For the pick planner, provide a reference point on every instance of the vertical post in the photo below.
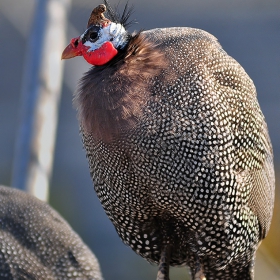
(40, 98)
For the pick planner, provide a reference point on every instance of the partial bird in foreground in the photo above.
(37, 243)
(177, 145)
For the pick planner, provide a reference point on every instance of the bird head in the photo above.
(101, 41)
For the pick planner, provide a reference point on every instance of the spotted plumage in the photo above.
(190, 180)
(36, 243)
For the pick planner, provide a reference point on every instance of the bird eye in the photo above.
(93, 36)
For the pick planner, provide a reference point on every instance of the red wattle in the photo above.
(102, 55)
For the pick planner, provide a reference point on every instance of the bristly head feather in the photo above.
(123, 18)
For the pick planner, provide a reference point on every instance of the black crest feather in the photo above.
(115, 16)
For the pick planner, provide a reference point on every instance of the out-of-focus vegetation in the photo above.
(272, 242)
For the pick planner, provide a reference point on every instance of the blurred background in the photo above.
(248, 30)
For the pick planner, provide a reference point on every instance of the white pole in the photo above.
(40, 99)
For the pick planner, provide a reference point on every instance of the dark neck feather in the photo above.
(111, 98)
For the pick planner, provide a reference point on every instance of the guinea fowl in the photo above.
(36, 243)
(177, 145)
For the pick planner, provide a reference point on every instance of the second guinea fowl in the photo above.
(36, 243)
(177, 145)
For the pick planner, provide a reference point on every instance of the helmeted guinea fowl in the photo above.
(177, 145)
(37, 243)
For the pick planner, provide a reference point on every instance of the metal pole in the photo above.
(40, 99)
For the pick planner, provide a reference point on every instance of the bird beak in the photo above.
(72, 49)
